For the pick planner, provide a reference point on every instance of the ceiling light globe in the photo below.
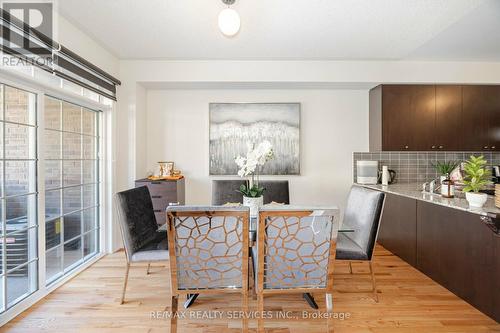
(229, 22)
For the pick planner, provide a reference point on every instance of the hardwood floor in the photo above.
(409, 302)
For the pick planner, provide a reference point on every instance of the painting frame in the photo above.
(287, 114)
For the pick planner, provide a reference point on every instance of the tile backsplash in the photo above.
(416, 167)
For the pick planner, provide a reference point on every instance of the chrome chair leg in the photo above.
(374, 286)
(125, 284)
(329, 302)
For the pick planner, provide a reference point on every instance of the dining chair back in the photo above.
(208, 249)
(362, 214)
(226, 191)
(296, 251)
(363, 211)
(141, 239)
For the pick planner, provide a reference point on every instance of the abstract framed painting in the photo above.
(234, 125)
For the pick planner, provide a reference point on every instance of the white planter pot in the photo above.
(476, 200)
(254, 204)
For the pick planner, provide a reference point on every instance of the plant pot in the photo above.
(254, 204)
(476, 200)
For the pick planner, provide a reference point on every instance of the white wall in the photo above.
(134, 132)
(334, 123)
(77, 41)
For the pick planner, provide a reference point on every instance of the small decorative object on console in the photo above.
(166, 171)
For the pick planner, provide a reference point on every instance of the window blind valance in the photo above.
(30, 46)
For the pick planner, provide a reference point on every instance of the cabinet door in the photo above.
(475, 114)
(456, 249)
(448, 117)
(423, 118)
(398, 229)
(492, 97)
(396, 117)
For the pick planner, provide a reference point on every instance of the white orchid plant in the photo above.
(251, 165)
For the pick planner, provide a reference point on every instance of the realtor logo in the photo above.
(37, 15)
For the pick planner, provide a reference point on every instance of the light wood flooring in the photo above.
(409, 302)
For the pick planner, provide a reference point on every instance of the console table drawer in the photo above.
(163, 193)
(161, 218)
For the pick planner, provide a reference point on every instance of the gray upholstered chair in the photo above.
(208, 252)
(225, 190)
(362, 214)
(141, 239)
(295, 252)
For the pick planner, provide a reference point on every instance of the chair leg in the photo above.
(173, 318)
(190, 300)
(125, 284)
(350, 268)
(260, 308)
(329, 302)
(244, 306)
(149, 266)
(374, 286)
(310, 300)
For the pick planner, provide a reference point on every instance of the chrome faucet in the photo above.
(431, 187)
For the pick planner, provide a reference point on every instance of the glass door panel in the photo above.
(71, 194)
(18, 191)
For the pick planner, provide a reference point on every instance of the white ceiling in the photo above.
(293, 29)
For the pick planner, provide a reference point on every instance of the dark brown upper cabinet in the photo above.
(448, 117)
(434, 117)
(423, 118)
(397, 99)
(481, 118)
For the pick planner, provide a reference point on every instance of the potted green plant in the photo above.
(250, 167)
(445, 169)
(477, 176)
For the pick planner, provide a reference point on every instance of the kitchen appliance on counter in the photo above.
(367, 172)
(496, 174)
(391, 176)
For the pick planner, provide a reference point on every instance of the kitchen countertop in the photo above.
(414, 191)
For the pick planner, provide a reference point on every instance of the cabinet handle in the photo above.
(406, 147)
(157, 210)
(174, 203)
(156, 196)
(156, 183)
(493, 147)
(485, 147)
(433, 147)
(441, 147)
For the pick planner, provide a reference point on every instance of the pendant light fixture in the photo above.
(229, 20)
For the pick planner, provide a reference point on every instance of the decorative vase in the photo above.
(254, 204)
(476, 200)
(447, 187)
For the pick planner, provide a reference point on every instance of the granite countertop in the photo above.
(414, 191)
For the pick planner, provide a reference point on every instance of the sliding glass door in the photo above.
(62, 178)
(18, 191)
(71, 186)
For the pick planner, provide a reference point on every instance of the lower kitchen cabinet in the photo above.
(458, 251)
(398, 227)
